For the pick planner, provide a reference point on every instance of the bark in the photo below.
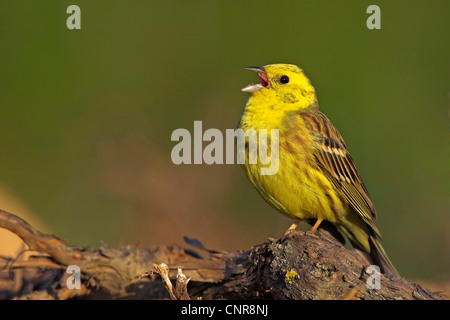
(300, 266)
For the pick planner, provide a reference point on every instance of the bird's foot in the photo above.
(290, 230)
(314, 228)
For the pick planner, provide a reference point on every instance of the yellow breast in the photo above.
(299, 189)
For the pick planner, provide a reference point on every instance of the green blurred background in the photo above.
(87, 115)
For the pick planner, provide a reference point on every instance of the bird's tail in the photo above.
(380, 258)
(366, 243)
(363, 240)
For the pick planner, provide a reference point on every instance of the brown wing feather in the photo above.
(336, 162)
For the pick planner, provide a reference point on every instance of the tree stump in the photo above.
(299, 266)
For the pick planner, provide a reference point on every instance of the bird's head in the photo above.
(282, 84)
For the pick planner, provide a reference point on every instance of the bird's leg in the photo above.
(291, 229)
(315, 226)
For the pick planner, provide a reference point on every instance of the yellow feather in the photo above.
(316, 177)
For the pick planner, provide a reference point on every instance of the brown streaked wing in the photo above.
(335, 160)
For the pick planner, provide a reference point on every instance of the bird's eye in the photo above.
(284, 79)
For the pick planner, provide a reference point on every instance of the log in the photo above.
(299, 266)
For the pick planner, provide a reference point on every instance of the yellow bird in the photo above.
(316, 180)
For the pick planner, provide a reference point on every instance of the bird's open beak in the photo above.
(264, 80)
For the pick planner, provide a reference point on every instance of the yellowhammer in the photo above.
(317, 180)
